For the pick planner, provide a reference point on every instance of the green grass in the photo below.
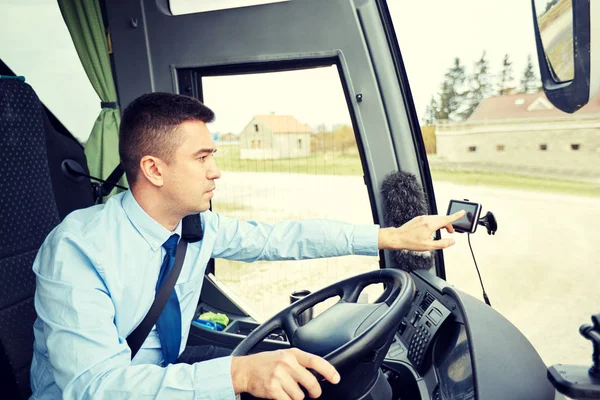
(224, 207)
(336, 163)
(328, 163)
(516, 182)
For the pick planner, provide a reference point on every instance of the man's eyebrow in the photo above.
(205, 151)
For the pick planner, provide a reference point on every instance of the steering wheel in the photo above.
(348, 332)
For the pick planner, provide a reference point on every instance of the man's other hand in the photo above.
(417, 234)
(277, 374)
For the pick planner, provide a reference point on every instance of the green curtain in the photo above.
(84, 21)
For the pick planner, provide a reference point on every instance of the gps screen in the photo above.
(466, 222)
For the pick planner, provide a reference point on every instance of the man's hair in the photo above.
(149, 124)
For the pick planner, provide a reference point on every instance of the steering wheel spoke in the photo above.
(351, 291)
(290, 326)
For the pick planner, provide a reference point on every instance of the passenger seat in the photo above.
(35, 195)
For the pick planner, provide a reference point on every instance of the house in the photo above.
(270, 137)
(228, 138)
(525, 131)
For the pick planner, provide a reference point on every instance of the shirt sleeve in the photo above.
(292, 240)
(88, 358)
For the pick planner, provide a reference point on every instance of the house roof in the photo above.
(525, 106)
(283, 124)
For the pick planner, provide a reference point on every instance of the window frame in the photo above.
(360, 35)
(190, 79)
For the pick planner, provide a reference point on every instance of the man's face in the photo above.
(190, 176)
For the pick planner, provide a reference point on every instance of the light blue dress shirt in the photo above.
(96, 275)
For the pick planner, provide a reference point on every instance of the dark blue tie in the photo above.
(168, 324)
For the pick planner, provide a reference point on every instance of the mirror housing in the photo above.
(571, 95)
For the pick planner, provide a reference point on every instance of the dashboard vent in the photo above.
(427, 300)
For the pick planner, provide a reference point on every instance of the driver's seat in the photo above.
(32, 201)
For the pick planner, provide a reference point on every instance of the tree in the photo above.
(431, 112)
(550, 4)
(506, 76)
(479, 86)
(429, 138)
(322, 128)
(443, 111)
(344, 139)
(530, 83)
(452, 92)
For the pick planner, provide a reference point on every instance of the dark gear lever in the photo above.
(580, 382)
(592, 332)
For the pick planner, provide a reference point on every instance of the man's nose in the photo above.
(214, 172)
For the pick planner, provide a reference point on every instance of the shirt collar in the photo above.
(153, 232)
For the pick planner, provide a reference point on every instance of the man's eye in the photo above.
(202, 159)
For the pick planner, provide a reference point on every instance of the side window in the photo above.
(290, 154)
(35, 43)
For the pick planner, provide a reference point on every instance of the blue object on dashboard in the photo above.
(18, 77)
(209, 324)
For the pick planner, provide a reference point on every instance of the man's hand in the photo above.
(276, 374)
(417, 233)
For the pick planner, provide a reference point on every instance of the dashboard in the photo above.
(430, 357)
(448, 346)
(452, 346)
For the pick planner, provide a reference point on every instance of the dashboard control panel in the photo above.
(417, 330)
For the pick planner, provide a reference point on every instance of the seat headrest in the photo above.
(28, 207)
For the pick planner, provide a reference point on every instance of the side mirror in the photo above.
(566, 38)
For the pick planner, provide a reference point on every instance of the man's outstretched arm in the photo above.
(304, 239)
(288, 240)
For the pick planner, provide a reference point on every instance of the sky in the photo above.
(431, 33)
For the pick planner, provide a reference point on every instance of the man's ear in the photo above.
(152, 169)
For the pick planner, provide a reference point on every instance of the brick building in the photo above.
(525, 130)
(274, 137)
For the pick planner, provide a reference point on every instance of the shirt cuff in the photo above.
(366, 240)
(213, 379)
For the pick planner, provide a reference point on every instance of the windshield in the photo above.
(492, 137)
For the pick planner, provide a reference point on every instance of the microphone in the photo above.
(404, 199)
